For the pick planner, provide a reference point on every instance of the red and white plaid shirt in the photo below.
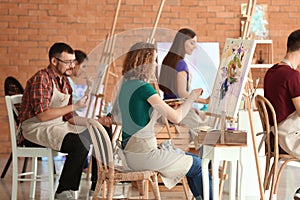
(38, 92)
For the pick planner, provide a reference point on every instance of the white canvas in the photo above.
(203, 64)
(98, 83)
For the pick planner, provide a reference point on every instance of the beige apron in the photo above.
(289, 134)
(50, 133)
(141, 153)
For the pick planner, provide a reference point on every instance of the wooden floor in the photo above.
(123, 190)
(290, 181)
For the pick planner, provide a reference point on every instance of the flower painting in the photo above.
(231, 77)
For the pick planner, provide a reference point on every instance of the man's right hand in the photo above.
(81, 103)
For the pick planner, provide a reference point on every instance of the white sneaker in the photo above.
(117, 194)
(65, 195)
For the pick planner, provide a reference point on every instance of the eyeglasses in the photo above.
(67, 62)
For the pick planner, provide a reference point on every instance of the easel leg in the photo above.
(261, 189)
(222, 178)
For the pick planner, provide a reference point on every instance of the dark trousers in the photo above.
(77, 147)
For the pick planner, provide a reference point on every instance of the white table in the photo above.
(217, 153)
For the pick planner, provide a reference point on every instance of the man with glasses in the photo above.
(48, 117)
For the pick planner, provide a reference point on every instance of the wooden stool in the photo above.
(215, 152)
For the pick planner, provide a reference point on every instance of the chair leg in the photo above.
(110, 188)
(185, 187)
(6, 166)
(155, 188)
(143, 188)
(14, 190)
(24, 167)
(51, 168)
(34, 176)
(274, 192)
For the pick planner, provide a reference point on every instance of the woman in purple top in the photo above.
(175, 79)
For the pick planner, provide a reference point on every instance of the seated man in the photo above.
(48, 117)
(281, 88)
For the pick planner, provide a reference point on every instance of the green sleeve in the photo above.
(146, 91)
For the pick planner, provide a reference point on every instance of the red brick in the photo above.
(27, 30)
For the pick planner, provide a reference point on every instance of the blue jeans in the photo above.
(194, 177)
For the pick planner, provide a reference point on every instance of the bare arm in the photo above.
(181, 88)
(296, 102)
(174, 115)
(182, 84)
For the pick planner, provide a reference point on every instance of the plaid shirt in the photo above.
(38, 92)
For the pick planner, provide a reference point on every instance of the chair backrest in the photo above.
(11, 87)
(11, 102)
(267, 113)
(102, 146)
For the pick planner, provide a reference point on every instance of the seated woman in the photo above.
(175, 78)
(140, 106)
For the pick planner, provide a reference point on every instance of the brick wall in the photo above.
(28, 29)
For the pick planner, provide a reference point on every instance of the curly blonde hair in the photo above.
(138, 63)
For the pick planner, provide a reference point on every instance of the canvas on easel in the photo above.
(97, 92)
(231, 77)
(98, 84)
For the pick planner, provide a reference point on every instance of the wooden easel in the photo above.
(247, 18)
(106, 58)
(151, 39)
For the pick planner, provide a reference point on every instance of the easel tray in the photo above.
(231, 138)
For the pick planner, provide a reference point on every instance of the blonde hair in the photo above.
(138, 63)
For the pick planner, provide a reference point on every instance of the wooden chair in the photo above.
(11, 87)
(173, 103)
(107, 173)
(272, 148)
(27, 152)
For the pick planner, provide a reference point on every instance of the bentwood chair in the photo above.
(272, 149)
(107, 173)
(27, 152)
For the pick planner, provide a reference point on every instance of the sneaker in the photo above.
(65, 195)
(117, 194)
(297, 194)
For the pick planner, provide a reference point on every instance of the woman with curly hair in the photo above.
(140, 106)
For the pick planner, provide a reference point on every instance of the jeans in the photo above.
(194, 177)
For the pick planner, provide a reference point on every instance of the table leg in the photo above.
(232, 180)
(215, 177)
(205, 178)
(241, 193)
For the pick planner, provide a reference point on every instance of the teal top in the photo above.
(134, 106)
